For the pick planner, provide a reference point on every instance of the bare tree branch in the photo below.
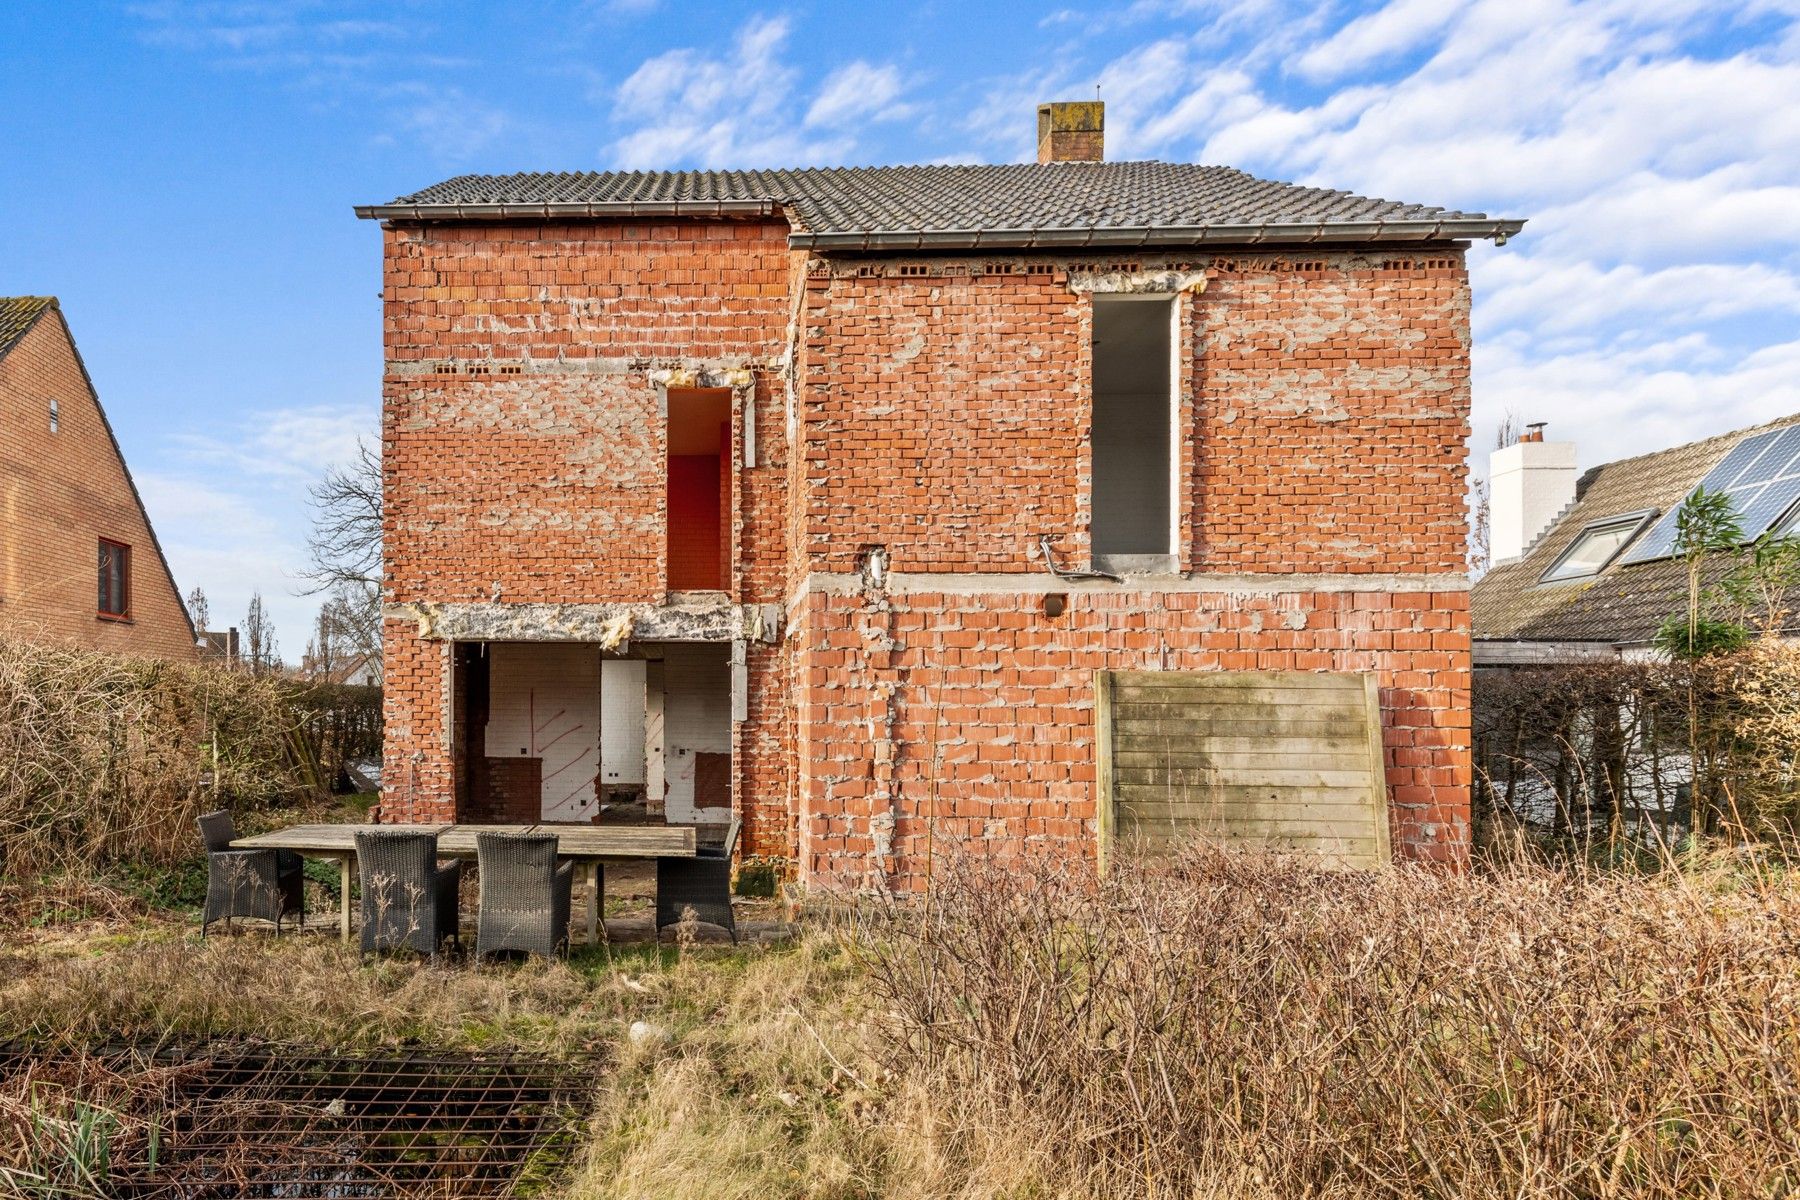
(345, 545)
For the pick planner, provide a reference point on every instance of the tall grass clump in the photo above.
(1243, 1024)
(106, 758)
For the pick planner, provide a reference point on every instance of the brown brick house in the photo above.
(852, 501)
(78, 559)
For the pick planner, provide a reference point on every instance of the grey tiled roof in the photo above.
(1625, 603)
(18, 314)
(1062, 204)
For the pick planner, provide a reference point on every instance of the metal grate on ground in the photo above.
(262, 1120)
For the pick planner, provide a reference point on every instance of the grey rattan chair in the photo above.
(702, 883)
(524, 894)
(407, 898)
(265, 885)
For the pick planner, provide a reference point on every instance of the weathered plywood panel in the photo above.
(1283, 758)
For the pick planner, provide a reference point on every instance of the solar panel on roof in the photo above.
(1762, 476)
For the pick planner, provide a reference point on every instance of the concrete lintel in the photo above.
(699, 375)
(671, 372)
(605, 624)
(1137, 283)
(1041, 583)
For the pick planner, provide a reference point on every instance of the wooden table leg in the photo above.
(593, 903)
(344, 897)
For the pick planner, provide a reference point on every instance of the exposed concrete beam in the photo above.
(608, 625)
(1041, 583)
(1137, 283)
(679, 373)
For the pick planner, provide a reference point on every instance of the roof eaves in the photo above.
(574, 210)
(1268, 232)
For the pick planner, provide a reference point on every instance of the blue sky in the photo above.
(181, 174)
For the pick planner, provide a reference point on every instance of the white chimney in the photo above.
(1529, 484)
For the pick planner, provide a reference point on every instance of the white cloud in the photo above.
(742, 108)
(1399, 27)
(1614, 404)
(1540, 291)
(712, 111)
(291, 444)
(858, 91)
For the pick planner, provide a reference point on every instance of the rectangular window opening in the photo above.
(1134, 415)
(699, 484)
(55, 415)
(115, 579)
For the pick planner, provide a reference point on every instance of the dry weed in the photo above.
(1240, 1024)
(761, 1089)
(105, 757)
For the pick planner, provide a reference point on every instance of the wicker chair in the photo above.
(702, 883)
(407, 898)
(265, 885)
(524, 894)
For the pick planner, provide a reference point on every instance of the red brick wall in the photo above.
(978, 710)
(1325, 400)
(505, 791)
(60, 493)
(944, 416)
(551, 481)
(418, 777)
(1332, 415)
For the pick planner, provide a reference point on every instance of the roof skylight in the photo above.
(1598, 543)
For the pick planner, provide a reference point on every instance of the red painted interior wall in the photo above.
(694, 523)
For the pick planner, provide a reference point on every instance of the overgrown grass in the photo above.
(1227, 1025)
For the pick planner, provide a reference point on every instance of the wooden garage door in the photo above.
(1285, 758)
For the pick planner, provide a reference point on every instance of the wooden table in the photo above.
(588, 845)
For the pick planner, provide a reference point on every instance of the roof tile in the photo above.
(18, 314)
(843, 202)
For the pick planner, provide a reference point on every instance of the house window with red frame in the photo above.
(115, 579)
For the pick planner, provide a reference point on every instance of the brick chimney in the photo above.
(1072, 131)
(1530, 483)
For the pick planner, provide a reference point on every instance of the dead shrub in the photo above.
(1639, 754)
(1236, 1023)
(105, 757)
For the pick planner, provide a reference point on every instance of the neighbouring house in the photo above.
(221, 647)
(79, 561)
(353, 670)
(1036, 506)
(1584, 563)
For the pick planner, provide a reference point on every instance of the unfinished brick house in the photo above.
(79, 561)
(863, 504)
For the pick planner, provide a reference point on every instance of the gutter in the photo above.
(552, 211)
(1267, 232)
(1062, 237)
